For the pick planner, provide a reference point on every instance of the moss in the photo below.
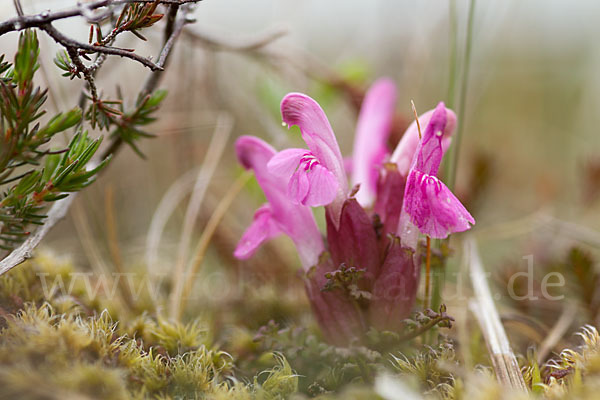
(56, 341)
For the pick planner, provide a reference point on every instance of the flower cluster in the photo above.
(366, 272)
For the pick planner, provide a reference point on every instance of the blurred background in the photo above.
(529, 167)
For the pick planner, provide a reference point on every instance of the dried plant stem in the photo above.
(482, 306)
(209, 166)
(172, 197)
(558, 330)
(113, 243)
(241, 44)
(209, 231)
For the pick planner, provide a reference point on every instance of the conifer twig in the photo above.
(154, 77)
(503, 359)
(60, 208)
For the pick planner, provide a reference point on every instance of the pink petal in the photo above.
(296, 221)
(348, 165)
(253, 153)
(262, 228)
(299, 109)
(370, 142)
(322, 187)
(429, 156)
(284, 163)
(433, 208)
(405, 151)
(298, 187)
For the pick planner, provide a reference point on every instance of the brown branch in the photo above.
(69, 43)
(37, 20)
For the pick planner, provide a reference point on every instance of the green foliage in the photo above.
(137, 16)
(63, 61)
(323, 367)
(26, 186)
(26, 59)
(177, 338)
(432, 366)
(127, 126)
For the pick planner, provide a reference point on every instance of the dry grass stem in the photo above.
(504, 361)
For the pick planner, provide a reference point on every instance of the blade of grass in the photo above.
(209, 166)
(112, 238)
(454, 152)
(453, 37)
(207, 234)
(482, 306)
(451, 164)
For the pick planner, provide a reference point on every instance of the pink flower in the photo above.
(309, 182)
(370, 141)
(316, 177)
(279, 215)
(406, 149)
(366, 273)
(428, 203)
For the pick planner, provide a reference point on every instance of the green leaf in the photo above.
(26, 59)
(61, 122)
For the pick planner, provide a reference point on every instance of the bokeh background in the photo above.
(529, 165)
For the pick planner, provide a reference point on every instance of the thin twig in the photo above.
(19, 8)
(69, 43)
(165, 53)
(503, 359)
(37, 20)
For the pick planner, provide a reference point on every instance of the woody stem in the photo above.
(428, 273)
